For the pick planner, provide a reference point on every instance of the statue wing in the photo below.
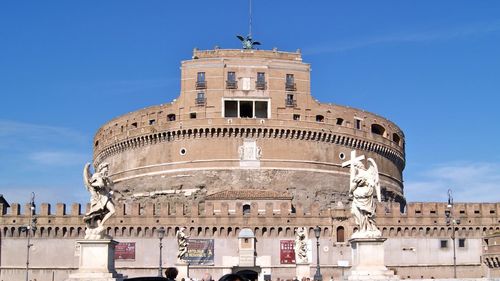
(373, 170)
(256, 43)
(86, 176)
(240, 37)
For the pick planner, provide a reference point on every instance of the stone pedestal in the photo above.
(368, 260)
(302, 270)
(97, 261)
(183, 268)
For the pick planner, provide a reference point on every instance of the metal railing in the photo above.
(200, 101)
(260, 85)
(290, 86)
(290, 103)
(201, 85)
(231, 84)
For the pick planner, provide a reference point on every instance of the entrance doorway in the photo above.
(248, 274)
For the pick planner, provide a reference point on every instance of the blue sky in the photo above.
(67, 67)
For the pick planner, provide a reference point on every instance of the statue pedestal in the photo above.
(97, 261)
(183, 268)
(302, 270)
(368, 260)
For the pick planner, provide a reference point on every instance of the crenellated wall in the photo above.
(142, 220)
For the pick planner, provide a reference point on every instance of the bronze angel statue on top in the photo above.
(101, 204)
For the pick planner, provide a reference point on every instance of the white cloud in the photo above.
(58, 158)
(470, 182)
(13, 130)
(408, 37)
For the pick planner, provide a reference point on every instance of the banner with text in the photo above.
(125, 251)
(200, 252)
(287, 252)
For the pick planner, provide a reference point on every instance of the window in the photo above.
(246, 209)
(171, 117)
(357, 123)
(396, 138)
(340, 234)
(461, 243)
(290, 101)
(230, 108)
(134, 125)
(260, 84)
(96, 143)
(290, 82)
(192, 115)
(320, 118)
(200, 81)
(476, 212)
(378, 129)
(340, 121)
(200, 98)
(231, 80)
(444, 243)
(152, 122)
(261, 109)
(296, 117)
(246, 109)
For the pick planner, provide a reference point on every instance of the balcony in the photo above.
(260, 85)
(201, 85)
(290, 103)
(200, 101)
(231, 84)
(290, 86)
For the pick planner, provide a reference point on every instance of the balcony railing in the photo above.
(231, 84)
(200, 101)
(290, 103)
(201, 85)
(260, 85)
(290, 86)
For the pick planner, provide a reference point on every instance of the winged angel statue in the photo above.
(101, 205)
(364, 183)
(247, 42)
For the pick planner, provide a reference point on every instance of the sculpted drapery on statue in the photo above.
(101, 204)
(301, 245)
(182, 244)
(364, 184)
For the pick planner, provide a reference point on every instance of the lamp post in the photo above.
(30, 229)
(450, 220)
(161, 234)
(317, 275)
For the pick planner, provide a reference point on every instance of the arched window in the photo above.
(171, 117)
(246, 209)
(340, 234)
(320, 118)
(377, 129)
(396, 138)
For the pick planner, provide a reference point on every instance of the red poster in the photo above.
(125, 251)
(287, 252)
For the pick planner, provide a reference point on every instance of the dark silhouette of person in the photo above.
(171, 273)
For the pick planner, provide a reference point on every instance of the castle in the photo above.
(242, 158)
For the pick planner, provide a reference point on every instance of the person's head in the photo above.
(207, 277)
(171, 273)
(231, 277)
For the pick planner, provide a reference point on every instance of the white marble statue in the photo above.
(301, 245)
(101, 204)
(182, 244)
(364, 184)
